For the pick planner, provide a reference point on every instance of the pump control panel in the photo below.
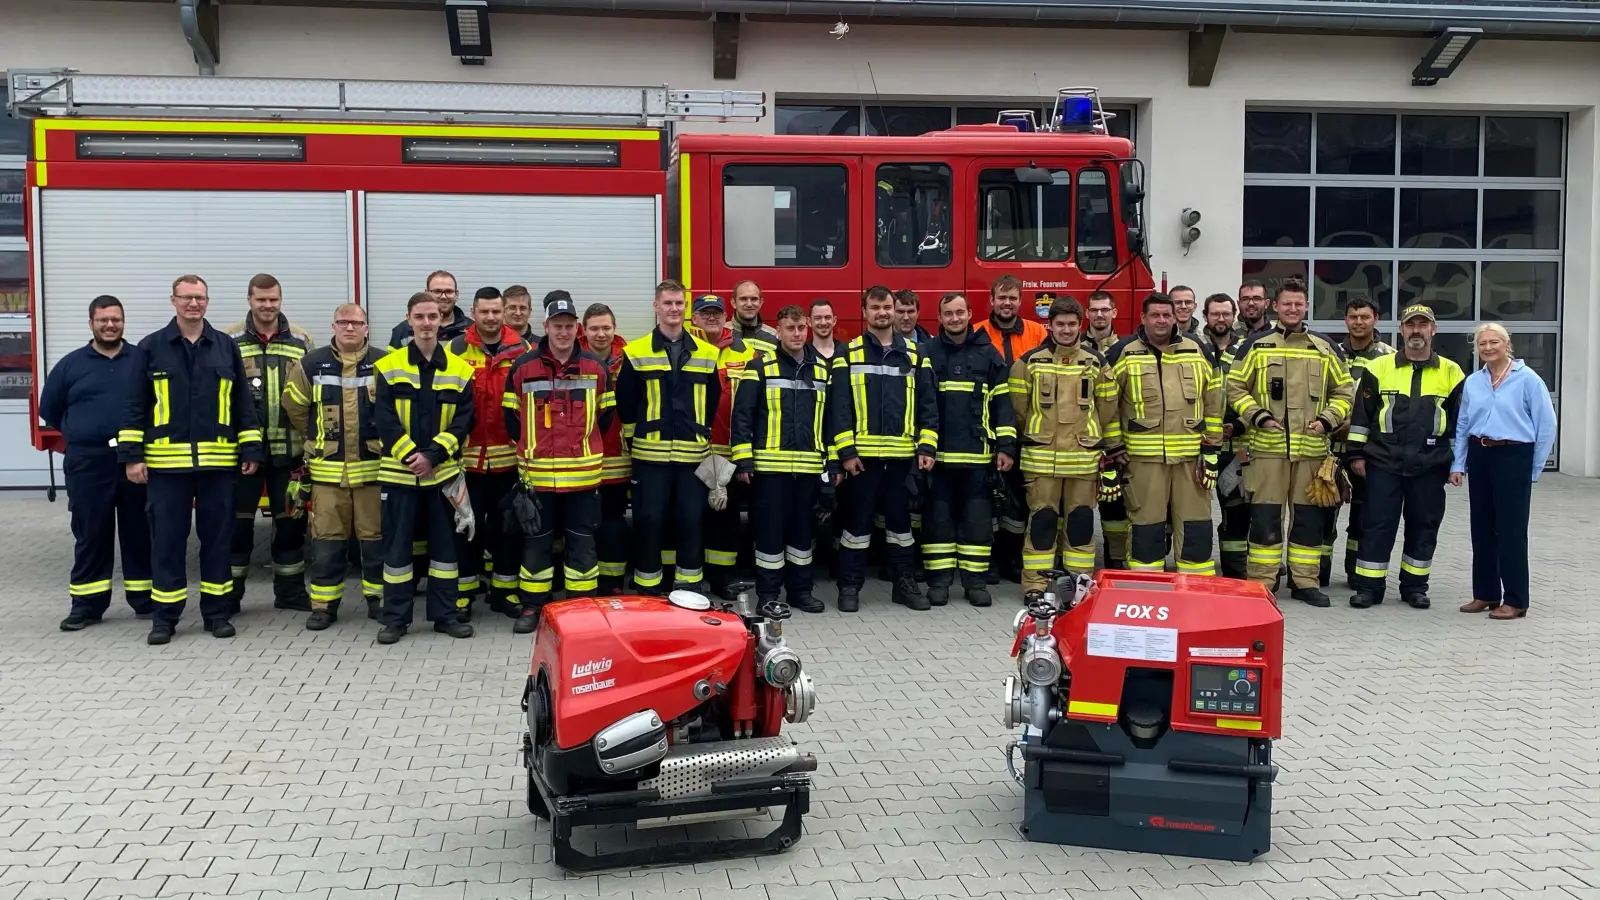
(1225, 690)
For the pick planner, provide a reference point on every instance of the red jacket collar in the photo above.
(508, 336)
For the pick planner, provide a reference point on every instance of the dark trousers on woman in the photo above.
(1500, 487)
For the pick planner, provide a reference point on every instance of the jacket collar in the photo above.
(976, 337)
(659, 341)
(281, 329)
(1400, 359)
(172, 333)
(437, 362)
(122, 349)
(1014, 328)
(543, 351)
(353, 356)
(508, 336)
(897, 342)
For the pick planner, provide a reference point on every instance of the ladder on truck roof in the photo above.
(50, 93)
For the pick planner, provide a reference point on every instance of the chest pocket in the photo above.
(1152, 393)
(1277, 389)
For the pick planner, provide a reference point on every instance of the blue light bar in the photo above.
(1021, 123)
(1077, 111)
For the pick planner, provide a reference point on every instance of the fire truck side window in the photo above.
(776, 216)
(912, 207)
(1097, 233)
(1024, 214)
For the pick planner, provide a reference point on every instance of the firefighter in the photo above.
(558, 402)
(489, 456)
(823, 321)
(882, 414)
(189, 430)
(1170, 406)
(1290, 388)
(725, 540)
(611, 539)
(84, 399)
(1184, 303)
(519, 308)
(977, 439)
(779, 450)
(1221, 338)
(667, 392)
(757, 335)
(1254, 309)
(1402, 440)
(1101, 336)
(907, 307)
(425, 410)
(1360, 346)
(1012, 336)
(337, 382)
(1065, 407)
(453, 324)
(271, 348)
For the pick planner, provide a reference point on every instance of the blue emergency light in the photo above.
(1020, 123)
(1077, 112)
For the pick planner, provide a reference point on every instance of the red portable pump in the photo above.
(649, 712)
(1148, 704)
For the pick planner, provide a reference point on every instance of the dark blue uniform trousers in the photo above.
(105, 506)
(204, 496)
(412, 514)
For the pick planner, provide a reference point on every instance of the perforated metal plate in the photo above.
(689, 771)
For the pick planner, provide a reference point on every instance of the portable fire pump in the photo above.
(654, 712)
(1148, 703)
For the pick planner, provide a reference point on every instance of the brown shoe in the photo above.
(1478, 606)
(1508, 612)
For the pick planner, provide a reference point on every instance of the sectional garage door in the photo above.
(600, 249)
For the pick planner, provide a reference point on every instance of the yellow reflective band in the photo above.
(90, 589)
(1239, 724)
(1085, 708)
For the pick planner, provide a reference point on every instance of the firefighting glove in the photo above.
(827, 499)
(522, 513)
(455, 490)
(1324, 488)
(1206, 468)
(298, 494)
(1230, 481)
(1110, 484)
(715, 472)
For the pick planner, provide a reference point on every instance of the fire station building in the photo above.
(1408, 152)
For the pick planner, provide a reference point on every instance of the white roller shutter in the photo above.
(131, 244)
(599, 249)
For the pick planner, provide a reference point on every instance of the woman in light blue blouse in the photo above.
(1504, 433)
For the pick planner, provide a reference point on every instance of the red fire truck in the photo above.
(356, 190)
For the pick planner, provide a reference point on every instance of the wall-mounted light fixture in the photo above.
(1188, 219)
(468, 22)
(1448, 50)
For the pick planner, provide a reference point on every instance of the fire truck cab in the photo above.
(1057, 205)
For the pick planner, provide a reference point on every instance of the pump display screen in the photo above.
(1221, 689)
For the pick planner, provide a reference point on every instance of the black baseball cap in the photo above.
(560, 308)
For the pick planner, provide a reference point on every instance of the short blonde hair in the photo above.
(1493, 328)
(349, 308)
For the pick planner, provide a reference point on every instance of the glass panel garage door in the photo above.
(1462, 212)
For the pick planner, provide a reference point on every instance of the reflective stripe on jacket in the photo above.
(489, 448)
(666, 409)
(193, 409)
(1169, 399)
(558, 412)
(1065, 405)
(1405, 413)
(882, 401)
(1357, 361)
(976, 420)
(341, 443)
(617, 467)
(780, 415)
(267, 364)
(1295, 377)
(424, 405)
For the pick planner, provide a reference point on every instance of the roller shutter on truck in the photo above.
(599, 249)
(132, 244)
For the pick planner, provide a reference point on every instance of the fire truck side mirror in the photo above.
(1132, 171)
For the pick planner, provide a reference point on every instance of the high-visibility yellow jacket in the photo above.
(666, 407)
(1066, 409)
(1405, 414)
(268, 360)
(193, 410)
(425, 406)
(1169, 399)
(341, 441)
(780, 413)
(1296, 377)
(881, 401)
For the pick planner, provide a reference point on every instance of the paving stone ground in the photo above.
(1426, 754)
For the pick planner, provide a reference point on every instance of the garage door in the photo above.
(599, 249)
(132, 244)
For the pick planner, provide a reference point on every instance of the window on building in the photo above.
(1097, 224)
(1461, 212)
(1024, 215)
(912, 209)
(854, 117)
(785, 216)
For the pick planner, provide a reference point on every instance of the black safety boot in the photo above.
(1418, 600)
(938, 594)
(979, 596)
(391, 634)
(456, 628)
(609, 586)
(1364, 599)
(527, 620)
(991, 577)
(849, 599)
(221, 628)
(1325, 572)
(76, 622)
(161, 633)
(320, 619)
(907, 594)
(498, 605)
(374, 606)
(289, 592)
(805, 602)
(1311, 597)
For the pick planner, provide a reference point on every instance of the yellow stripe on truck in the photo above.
(230, 127)
(684, 221)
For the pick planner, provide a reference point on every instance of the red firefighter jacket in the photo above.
(489, 448)
(558, 412)
(617, 467)
(733, 354)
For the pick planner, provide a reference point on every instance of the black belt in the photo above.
(1495, 442)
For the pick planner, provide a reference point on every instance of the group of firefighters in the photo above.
(498, 460)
